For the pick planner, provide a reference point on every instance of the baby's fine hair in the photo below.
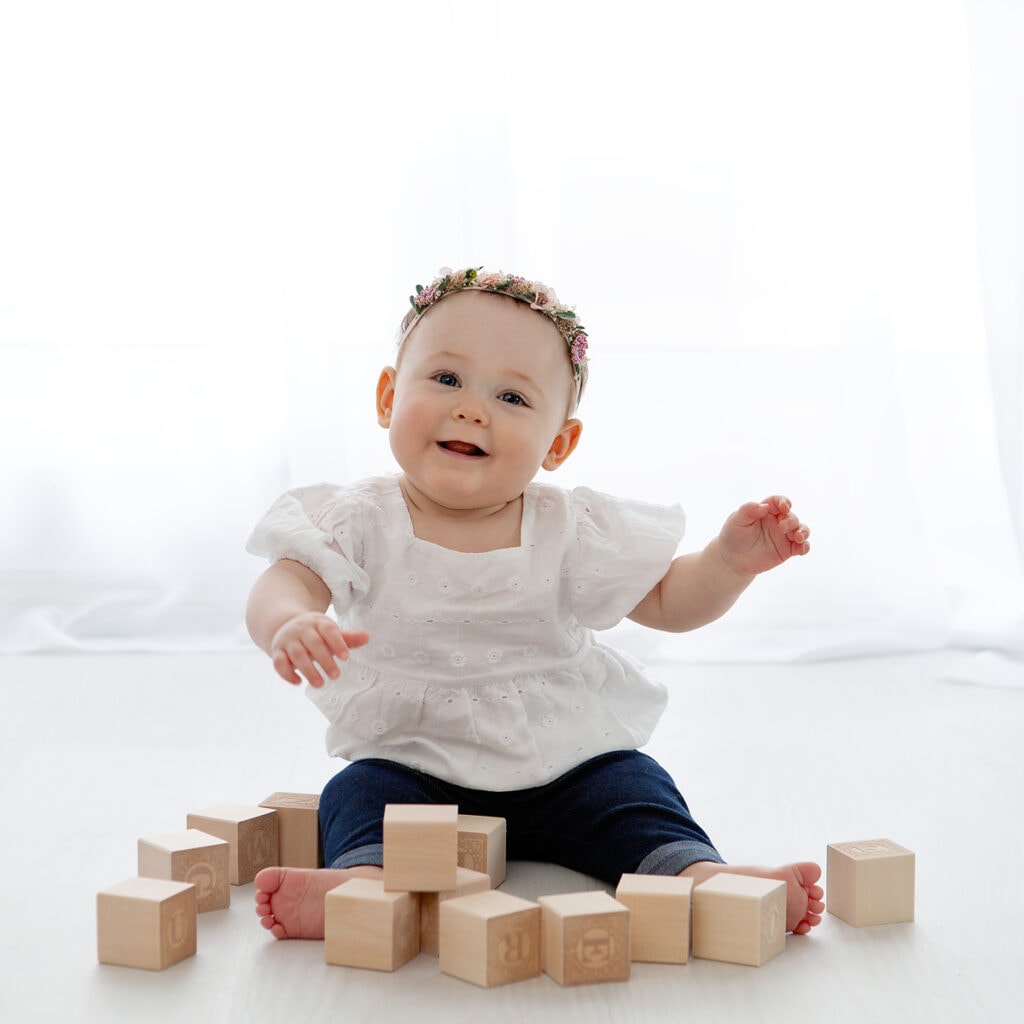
(535, 293)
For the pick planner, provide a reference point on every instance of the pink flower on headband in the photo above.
(489, 280)
(578, 352)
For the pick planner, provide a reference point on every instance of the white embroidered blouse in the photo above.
(482, 669)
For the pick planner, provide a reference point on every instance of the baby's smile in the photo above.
(462, 448)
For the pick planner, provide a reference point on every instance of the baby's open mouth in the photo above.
(461, 448)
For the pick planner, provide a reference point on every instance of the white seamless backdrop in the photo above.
(793, 230)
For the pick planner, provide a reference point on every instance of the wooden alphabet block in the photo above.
(482, 846)
(490, 938)
(364, 926)
(250, 832)
(190, 856)
(421, 846)
(739, 919)
(659, 917)
(467, 883)
(870, 882)
(298, 829)
(585, 938)
(146, 922)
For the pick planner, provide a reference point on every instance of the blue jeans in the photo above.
(617, 813)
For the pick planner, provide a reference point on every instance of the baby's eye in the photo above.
(512, 397)
(449, 380)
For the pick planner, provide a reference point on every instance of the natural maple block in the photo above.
(420, 847)
(365, 926)
(467, 883)
(482, 845)
(659, 917)
(870, 882)
(739, 919)
(189, 856)
(586, 938)
(250, 832)
(490, 938)
(298, 829)
(146, 922)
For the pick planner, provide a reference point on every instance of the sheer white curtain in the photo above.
(793, 230)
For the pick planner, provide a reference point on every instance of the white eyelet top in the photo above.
(482, 669)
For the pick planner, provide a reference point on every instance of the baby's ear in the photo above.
(385, 395)
(564, 444)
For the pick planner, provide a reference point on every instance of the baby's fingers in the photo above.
(340, 643)
(283, 667)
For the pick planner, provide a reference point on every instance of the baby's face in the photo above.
(480, 397)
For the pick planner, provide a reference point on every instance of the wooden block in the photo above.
(870, 882)
(250, 832)
(467, 883)
(421, 845)
(364, 926)
(739, 919)
(659, 917)
(190, 856)
(490, 938)
(585, 938)
(482, 845)
(298, 829)
(146, 922)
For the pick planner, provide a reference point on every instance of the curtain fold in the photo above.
(793, 231)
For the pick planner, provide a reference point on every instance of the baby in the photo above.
(463, 666)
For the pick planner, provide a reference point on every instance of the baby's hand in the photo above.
(762, 535)
(308, 641)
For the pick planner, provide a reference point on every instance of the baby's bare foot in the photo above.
(804, 896)
(290, 901)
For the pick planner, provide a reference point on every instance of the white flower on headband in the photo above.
(544, 297)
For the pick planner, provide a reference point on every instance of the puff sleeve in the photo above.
(320, 527)
(623, 548)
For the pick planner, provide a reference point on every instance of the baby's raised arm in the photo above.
(285, 617)
(701, 587)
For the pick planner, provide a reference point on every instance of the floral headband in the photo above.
(538, 295)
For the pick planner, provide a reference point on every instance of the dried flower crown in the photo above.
(539, 296)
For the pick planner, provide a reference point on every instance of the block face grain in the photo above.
(739, 919)
(467, 883)
(659, 921)
(146, 922)
(298, 829)
(420, 847)
(189, 856)
(364, 926)
(870, 882)
(490, 938)
(482, 845)
(251, 833)
(586, 938)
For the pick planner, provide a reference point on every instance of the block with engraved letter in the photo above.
(189, 856)
(586, 938)
(490, 938)
(146, 922)
(250, 832)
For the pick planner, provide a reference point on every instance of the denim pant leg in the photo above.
(617, 813)
(352, 808)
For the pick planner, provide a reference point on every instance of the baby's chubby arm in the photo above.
(285, 617)
(701, 587)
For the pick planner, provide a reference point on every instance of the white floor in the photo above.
(776, 761)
